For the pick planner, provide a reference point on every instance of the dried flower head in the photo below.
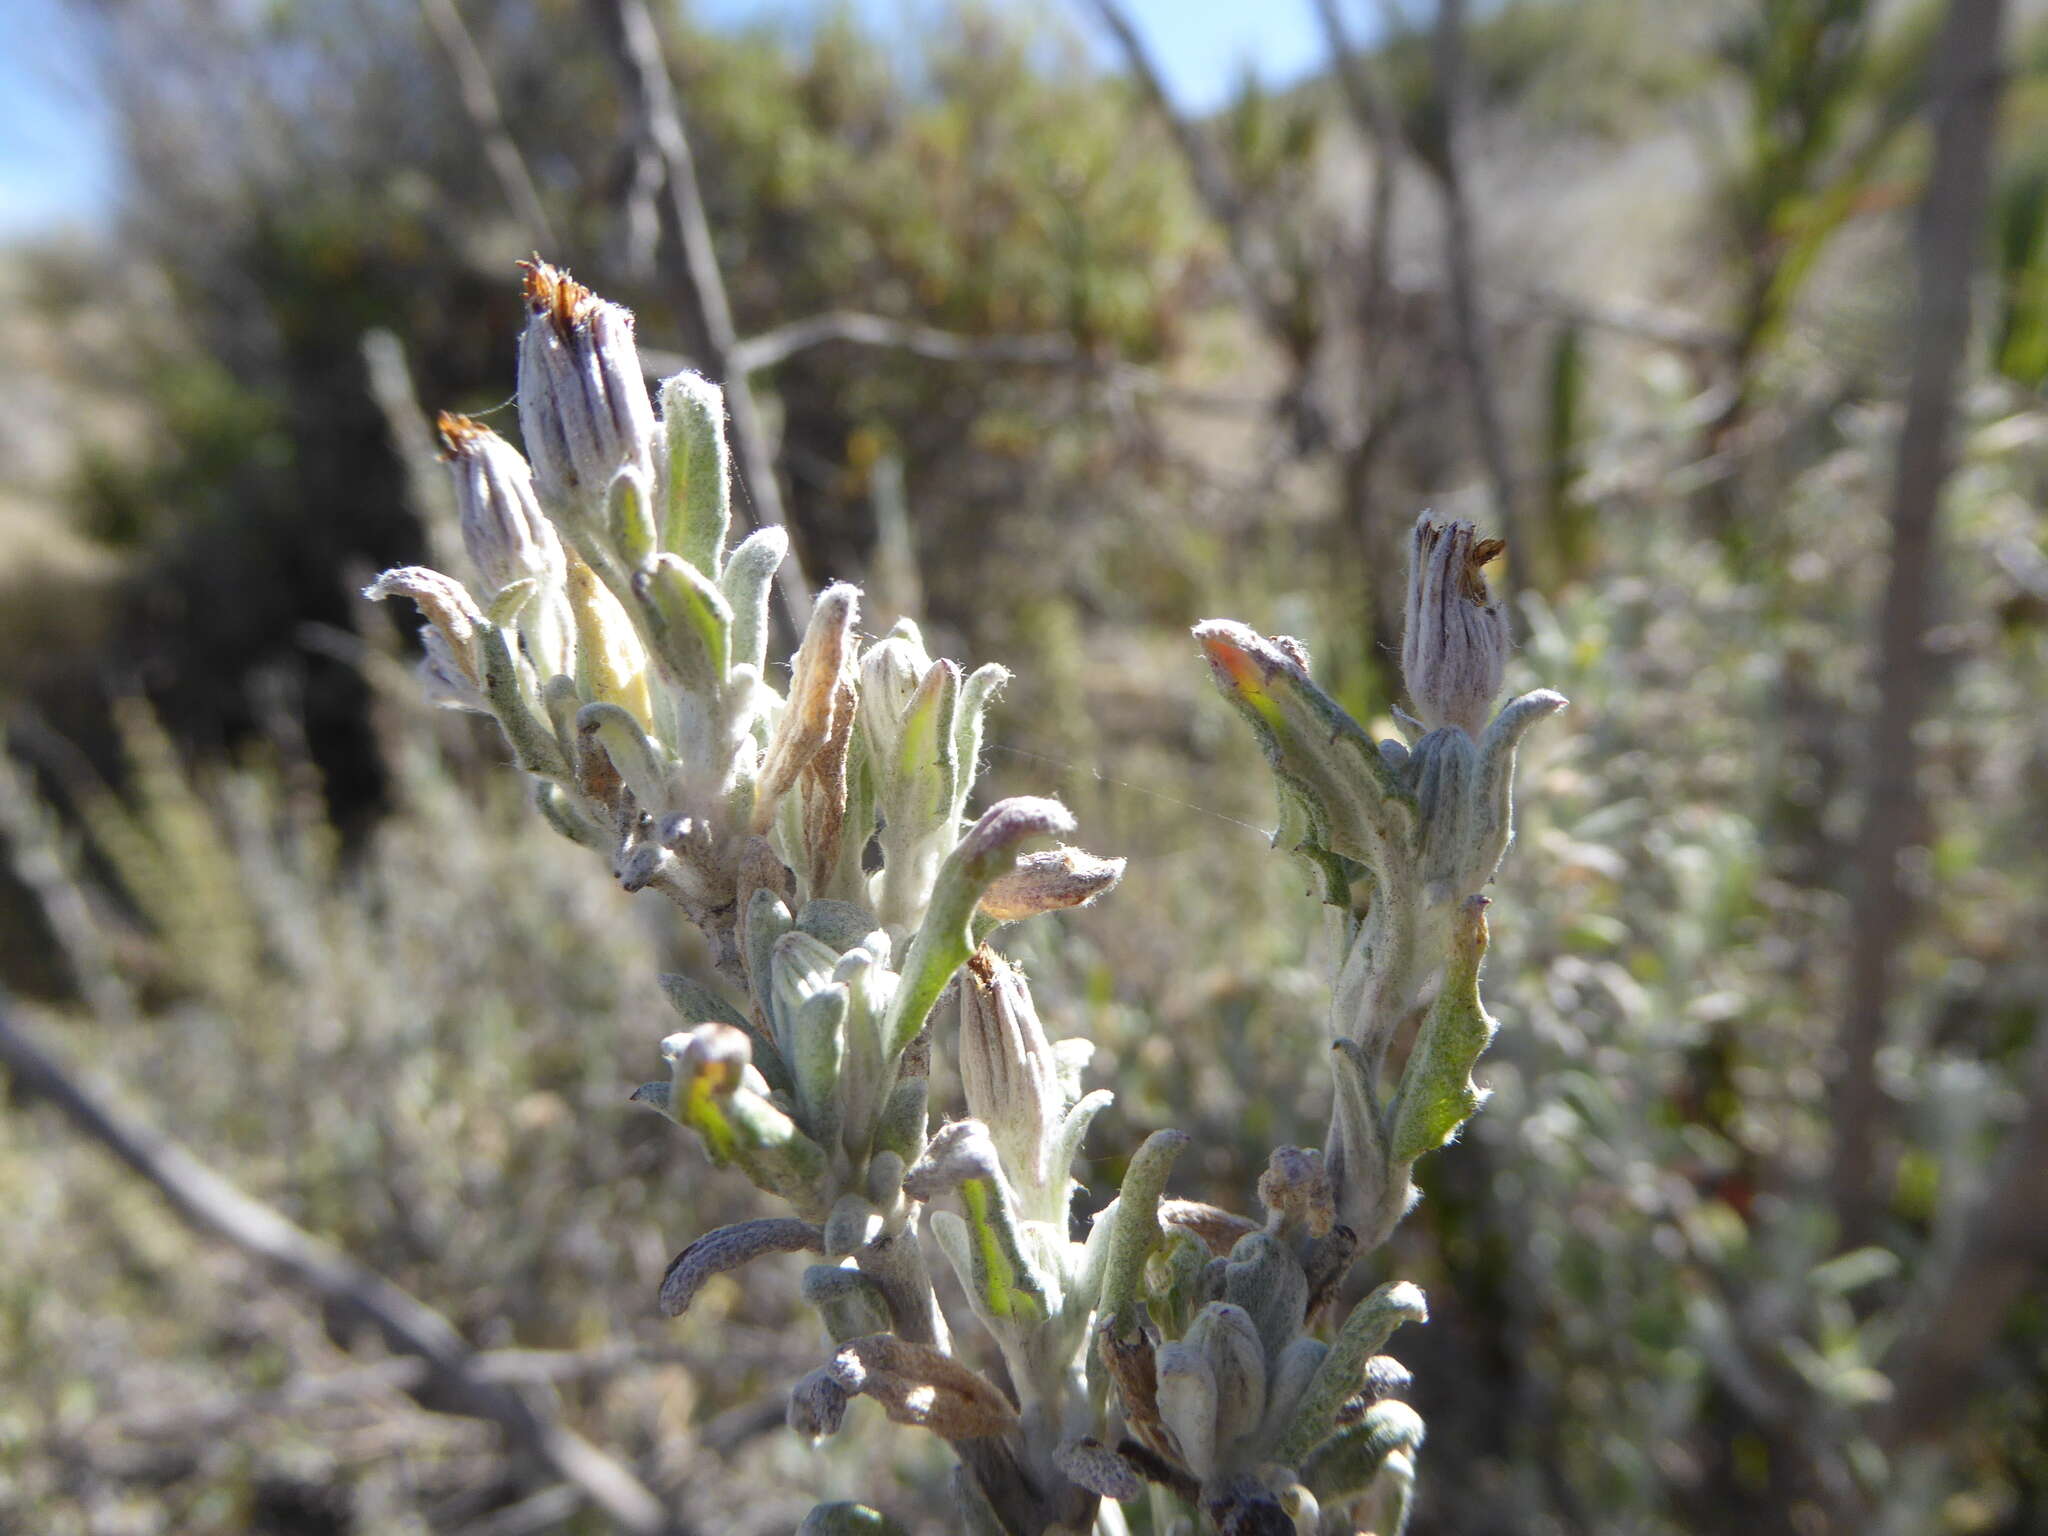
(502, 527)
(583, 404)
(1455, 651)
(1050, 881)
(1007, 1067)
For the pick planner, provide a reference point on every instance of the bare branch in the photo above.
(1372, 110)
(1461, 261)
(1042, 351)
(1205, 168)
(480, 101)
(658, 129)
(1883, 909)
(772, 347)
(211, 1205)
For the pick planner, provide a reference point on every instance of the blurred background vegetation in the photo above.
(1635, 279)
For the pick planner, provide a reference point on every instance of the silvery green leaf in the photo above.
(1173, 1277)
(945, 938)
(747, 581)
(885, 1179)
(1288, 1379)
(851, 1226)
(862, 1073)
(1237, 1361)
(799, 967)
(504, 609)
(633, 756)
(1371, 1193)
(699, 1004)
(957, 1244)
(1265, 1279)
(629, 515)
(851, 1304)
(1074, 1130)
(1344, 1466)
(1135, 1230)
(689, 623)
(567, 818)
(817, 1041)
(1342, 1372)
(1357, 805)
(728, 1248)
(533, 743)
(839, 924)
(1437, 1094)
(1445, 772)
(980, 687)
(699, 478)
(767, 920)
(900, 1127)
(914, 792)
(1494, 793)
(977, 1516)
(711, 1095)
(1187, 1396)
(1003, 1276)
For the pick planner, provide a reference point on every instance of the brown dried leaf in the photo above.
(916, 1384)
(1218, 1229)
(1048, 882)
(824, 787)
(1136, 1378)
(1094, 1466)
(807, 722)
(1295, 1189)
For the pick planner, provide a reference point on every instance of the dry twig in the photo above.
(1461, 262)
(1952, 214)
(480, 101)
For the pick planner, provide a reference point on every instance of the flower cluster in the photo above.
(620, 640)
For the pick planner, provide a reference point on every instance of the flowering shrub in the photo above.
(820, 838)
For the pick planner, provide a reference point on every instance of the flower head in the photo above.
(1456, 648)
(583, 404)
(502, 527)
